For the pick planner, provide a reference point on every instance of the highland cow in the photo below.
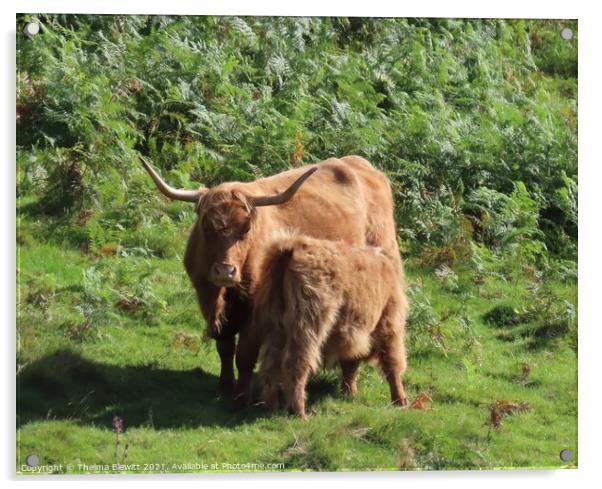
(321, 301)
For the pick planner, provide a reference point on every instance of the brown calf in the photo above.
(320, 301)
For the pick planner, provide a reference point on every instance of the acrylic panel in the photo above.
(295, 244)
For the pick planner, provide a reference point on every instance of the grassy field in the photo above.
(108, 335)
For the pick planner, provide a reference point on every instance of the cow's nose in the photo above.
(225, 270)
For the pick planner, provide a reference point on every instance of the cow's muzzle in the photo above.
(224, 274)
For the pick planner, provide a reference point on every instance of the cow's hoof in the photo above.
(225, 390)
(241, 401)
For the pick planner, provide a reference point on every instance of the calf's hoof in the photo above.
(271, 402)
(401, 402)
(299, 414)
(350, 389)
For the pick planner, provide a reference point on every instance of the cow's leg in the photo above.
(226, 346)
(350, 368)
(247, 352)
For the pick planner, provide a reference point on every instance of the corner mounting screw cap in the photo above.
(566, 455)
(31, 29)
(32, 460)
(566, 34)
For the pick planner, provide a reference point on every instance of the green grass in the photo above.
(83, 359)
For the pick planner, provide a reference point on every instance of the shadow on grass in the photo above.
(538, 336)
(517, 379)
(65, 385)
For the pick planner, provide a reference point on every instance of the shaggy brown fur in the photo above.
(346, 200)
(323, 301)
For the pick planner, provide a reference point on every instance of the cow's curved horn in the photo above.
(172, 193)
(282, 197)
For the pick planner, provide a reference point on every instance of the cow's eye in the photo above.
(206, 226)
(211, 228)
(244, 229)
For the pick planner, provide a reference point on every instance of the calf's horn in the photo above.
(282, 197)
(165, 189)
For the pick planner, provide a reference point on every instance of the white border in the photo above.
(589, 189)
(427, 8)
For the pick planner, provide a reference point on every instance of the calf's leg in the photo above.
(349, 369)
(270, 395)
(295, 389)
(398, 395)
(305, 336)
(391, 350)
(296, 366)
(392, 361)
(271, 370)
